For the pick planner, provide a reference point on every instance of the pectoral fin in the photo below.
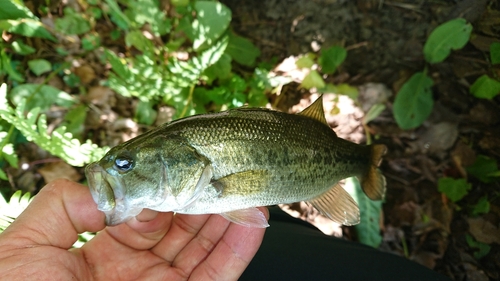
(337, 205)
(251, 217)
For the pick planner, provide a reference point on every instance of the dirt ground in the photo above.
(384, 40)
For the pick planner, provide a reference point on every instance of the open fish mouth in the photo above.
(107, 192)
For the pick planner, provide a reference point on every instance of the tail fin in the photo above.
(373, 182)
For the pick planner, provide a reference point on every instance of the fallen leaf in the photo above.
(57, 170)
(484, 231)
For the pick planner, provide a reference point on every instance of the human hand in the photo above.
(152, 246)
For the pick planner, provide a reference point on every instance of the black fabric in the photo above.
(295, 250)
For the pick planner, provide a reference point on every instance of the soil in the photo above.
(384, 40)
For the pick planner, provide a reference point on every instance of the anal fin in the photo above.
(251, 217)
(337, 205)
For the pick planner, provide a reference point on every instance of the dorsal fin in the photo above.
(315, 111)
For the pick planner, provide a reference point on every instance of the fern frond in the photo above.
(9, 211)
(60, 143)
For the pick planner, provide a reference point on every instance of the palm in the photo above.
(180, 247)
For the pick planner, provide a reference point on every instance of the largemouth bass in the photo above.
(231, 162)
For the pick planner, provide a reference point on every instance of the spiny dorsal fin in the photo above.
(315, 111)
(337, 205)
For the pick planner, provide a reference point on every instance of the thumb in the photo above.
(60, 211)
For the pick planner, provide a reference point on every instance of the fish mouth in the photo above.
(108, 193)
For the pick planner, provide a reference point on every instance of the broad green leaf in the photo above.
(26, 27)
(451, 35)
(212, 20)
(144, 112)
(368, 229)
(305, 62)
(413, 103)
(482, 248)
(485, 87)
(313, 80)
(454, 189)
(483, 168)
(39, 66)
(42, 96)
(15, 9)
(72, 23)
(6, 66)
(495, 53)
(331, 58)
(21, 48)
(242, 50)
(482, 206)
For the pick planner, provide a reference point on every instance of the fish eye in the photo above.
(123, 163)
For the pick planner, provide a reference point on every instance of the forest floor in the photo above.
(384, 40)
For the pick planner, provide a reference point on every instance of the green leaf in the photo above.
(91, 41)
(483, 168)
(72, 23)
(39, 66)
(180, 3)
(11, 210)
(331, 58)
(6, 66)
(451, 35)
(117, 16)
(454, 189)
(482, 206)
(373, 112)
(221, 69)
(42, 96)
(485, 87)
(242, 50)
(144, 112)
(148, 11)
(10, 155)
(413, 103)
(348, 90)
(138, 40)
(495, 53)
(313, 80)
(212, 20)
(118, 65)
(482, 248)
(306, 61)
(368, 229)
(13, 9)
(75, 118)
(26, 27)
(21, 48)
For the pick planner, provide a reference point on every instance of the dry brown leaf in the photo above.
(483, 230)
(58, 170)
